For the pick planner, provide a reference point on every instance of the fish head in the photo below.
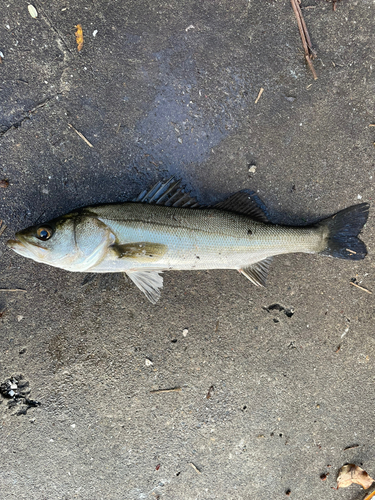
(74, 242)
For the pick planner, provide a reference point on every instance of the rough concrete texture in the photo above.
(168, 87)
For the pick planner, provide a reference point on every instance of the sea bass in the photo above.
(165, 229)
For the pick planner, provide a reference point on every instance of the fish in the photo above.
(166, 229)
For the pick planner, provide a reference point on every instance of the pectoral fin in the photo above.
(257, 273)
(149, 282)
(141, 251)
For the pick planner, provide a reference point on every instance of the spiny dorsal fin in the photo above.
(169, 194)
(246, 203)
(149, 282)
(257, 273)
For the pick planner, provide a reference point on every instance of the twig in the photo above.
(351, 447)
(2, 229)
(195, 468)
(372, 125)
(259, 95)
(81, 135)
(360, 287)
(160, 391)
(334, 2)
(305, 37)
(12, 290)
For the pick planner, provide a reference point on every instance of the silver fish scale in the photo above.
(199, 239)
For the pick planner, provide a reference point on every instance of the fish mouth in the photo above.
(13, 244)
(16, 244)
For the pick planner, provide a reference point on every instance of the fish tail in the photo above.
(342, 231)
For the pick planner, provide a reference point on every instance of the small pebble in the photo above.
(94, 33)
(179, 140)
(11, 393)
(73, 426)
(19, 318)
(148, 362)
(359, 197)
(1, 55)
(252, 169)
(13, 386)
(4, 183)
(185, 331)
(32, 11)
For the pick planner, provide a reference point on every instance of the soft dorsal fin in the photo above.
(149, 282)
(246, 203)
(169, 194)
(257, 273)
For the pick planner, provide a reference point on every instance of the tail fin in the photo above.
(343, 229)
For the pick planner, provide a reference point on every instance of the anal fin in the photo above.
(149, 282)
(257, 273)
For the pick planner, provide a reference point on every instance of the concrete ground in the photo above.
(169, 87)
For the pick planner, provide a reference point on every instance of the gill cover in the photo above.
(92, 238)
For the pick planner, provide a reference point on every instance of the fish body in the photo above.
(164, 229)
(168, 238)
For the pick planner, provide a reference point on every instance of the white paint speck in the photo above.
(191, 27)
(359, 197)
(94, 33)
(19, 318)
(345, 332)
(1, 55)
(148, 362)
(73, 426)
(185, 331)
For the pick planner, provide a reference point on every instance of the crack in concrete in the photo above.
(55, 30)
(28, 114)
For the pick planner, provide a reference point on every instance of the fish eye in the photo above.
(44, 233)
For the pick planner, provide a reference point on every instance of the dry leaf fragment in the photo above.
(351, 473)
(79, 37)
(210, 392)
(4, 183)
